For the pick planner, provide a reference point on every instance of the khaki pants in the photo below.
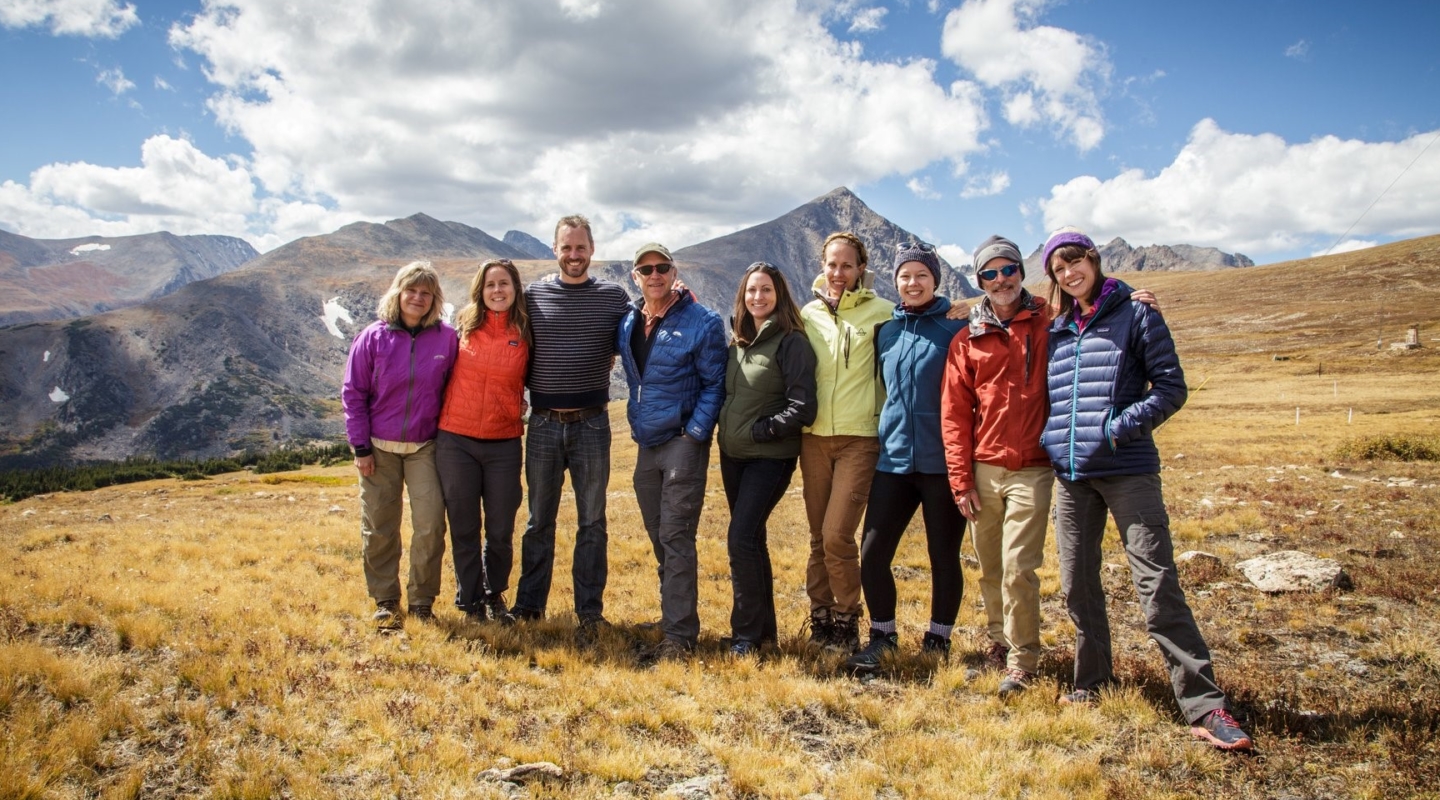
(1010, 543)
(380, 511)
(836, 472)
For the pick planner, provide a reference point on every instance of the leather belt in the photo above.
(568, 416)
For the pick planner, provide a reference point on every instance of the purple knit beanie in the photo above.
(1062, 237)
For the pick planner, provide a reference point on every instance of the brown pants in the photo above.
(380, 510)
(836, 473)
(1010, 543)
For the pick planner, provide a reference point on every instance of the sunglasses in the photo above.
(992, 274)
(663, 269)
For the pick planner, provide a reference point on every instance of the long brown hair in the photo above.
(1068, 253)
(473, 315)
(412, 274)
(786, 313)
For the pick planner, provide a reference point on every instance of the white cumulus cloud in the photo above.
(1048, 75)
(868, 20)
(921, 188)
(1298, 50)
(1257, 193)
(1347, 246)
(104, 19)
(115, 81)
(987, 185)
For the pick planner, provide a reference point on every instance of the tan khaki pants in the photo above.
(380, 510)
(836, 473)
(1010, 543)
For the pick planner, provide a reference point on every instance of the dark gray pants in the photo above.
(670, 489)
(480, 475)
(1139, 510)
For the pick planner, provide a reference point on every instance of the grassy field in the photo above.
(211, 638)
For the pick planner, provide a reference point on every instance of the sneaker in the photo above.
(423, 613)
(387, 616)
(868, 661)
(820, 633)
(997, 655)
(844, 634)
(1221, 730)
(590, 629)
(1080, 697)
(935, 645)
(1015, 682)
(744, 648)
(498, 610)
(671, 650)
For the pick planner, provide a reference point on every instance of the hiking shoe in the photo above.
(498, 610)
(933, 644)
(744, 648)
(844, 634)
(1221, 730)
(590, 629)
(820, 633)
(997, 655)
(423, 613)
(671, 650)
(868, 660)
(1080, 697)
(387, 616)
(476, 614)
(1015, 682)
(527, 614)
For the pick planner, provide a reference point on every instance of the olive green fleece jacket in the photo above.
(769, 395)
(845, 377)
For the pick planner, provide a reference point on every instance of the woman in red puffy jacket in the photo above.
(478, 449)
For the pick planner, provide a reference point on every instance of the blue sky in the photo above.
(1265, 127)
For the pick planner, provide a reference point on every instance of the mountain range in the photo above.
(45, 279)
(1119, 256)
(253, 358)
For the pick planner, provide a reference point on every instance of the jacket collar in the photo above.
(851, 298)
(983, 319)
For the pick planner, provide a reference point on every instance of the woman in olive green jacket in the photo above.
(839, 451)
(769, 398)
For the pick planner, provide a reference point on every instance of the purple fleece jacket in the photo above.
(394, 383)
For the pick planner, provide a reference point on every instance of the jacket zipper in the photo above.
(1075, 399)
(409, 391)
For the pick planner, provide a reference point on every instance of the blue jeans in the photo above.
(550, 449)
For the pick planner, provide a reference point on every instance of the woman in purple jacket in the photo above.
(394, 381)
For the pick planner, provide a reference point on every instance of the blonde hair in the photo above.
(473, 315)
(786, 314)
(848, 238)
(412, 274)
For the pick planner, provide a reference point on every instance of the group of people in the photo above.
(977, 415)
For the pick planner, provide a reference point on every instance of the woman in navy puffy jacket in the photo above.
(1113, 378)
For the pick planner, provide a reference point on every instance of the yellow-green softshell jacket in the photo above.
(846, 383)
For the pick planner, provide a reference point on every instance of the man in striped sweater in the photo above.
(573, 321)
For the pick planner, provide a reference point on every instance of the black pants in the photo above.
(893, 500)
(476, 474)
(753, 487)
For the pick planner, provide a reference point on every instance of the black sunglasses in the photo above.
(929, 248)
(663, 269)
(992, 274)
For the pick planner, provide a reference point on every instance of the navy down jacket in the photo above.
(1110, 386)
(683, 385)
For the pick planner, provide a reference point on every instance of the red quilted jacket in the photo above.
(485, 391)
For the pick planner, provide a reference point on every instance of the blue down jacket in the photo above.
(683, 386)
(1110, 386)
(912, 349)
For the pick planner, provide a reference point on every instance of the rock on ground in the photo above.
(1294, 571)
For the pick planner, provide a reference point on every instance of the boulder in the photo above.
(1294, 571)
(523, 772)
(1198, 558)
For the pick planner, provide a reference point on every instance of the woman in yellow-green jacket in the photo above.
(839, 451)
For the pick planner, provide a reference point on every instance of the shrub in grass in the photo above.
(1391, 447)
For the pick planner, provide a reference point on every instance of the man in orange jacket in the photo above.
(993, 408)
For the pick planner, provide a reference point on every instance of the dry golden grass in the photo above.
(212, 638)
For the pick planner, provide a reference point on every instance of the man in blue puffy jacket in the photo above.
(673, 351)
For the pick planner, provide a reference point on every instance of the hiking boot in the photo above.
(590, 629)
(498, 610)
(868, 661)
(476, 614)
(423, 613)
(744, 648)
(935, 645)
(820, 633)
(387, 616)
(527, 614)
(671, 650)
(1221, 730)
(1080, 697)
(844, 635)
(1015, 682)
(997, 655)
